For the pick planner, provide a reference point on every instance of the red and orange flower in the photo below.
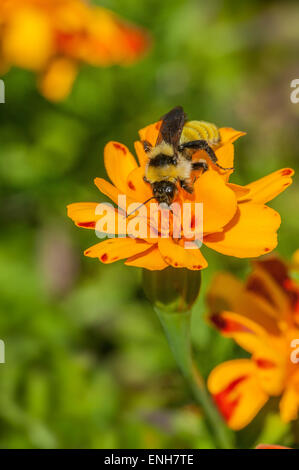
(236, 220)
(271, 446)
(52, 37)
(262, 316)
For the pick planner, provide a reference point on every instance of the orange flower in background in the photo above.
(262, 316)
(236, 221)
(271, 446)
(52, 37)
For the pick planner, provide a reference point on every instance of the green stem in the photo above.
(177, 330)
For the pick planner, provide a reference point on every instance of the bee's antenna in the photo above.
(143, 204)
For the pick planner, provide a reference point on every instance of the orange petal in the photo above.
(108, 40)
(225, 156)
(245, 332)
(271, 369)
(223, 291)
(83, 214)
(227, 372)
(136, 188)
(151, 259)
(289, 403)
(267, 188)
(251, 233)
(228, 134)
(240, 191)
(274, 267)
(219, 201)
(112, 192)
(108, 189)
(269, 360)
(180, 257)
(56, 82)
(119, 162)
(271, 280)
(134, 42)
(228, 293)
(264, 283)
(151, 132)
(141, 154)
(233, 384)
(115, 249)
(124, 204)
(28, 41)
(271, 446)
(104, 218)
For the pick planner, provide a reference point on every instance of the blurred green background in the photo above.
(87, 364)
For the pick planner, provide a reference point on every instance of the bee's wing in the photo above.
(172, 126)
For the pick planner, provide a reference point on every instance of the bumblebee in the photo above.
(170, 160)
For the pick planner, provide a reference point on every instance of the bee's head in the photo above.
(164, 191)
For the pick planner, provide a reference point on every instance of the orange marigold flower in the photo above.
(52, 37)
(262, 316)
(236, 221)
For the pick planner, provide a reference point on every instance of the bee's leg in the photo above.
(186, 185)
(147, 146)
(145, 179)
(203, 145)
(201, 164)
